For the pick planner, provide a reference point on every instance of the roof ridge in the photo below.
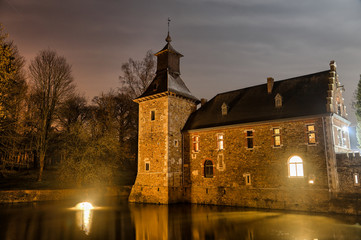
(258, 85)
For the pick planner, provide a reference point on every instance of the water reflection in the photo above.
(84, 216)
(119, 220)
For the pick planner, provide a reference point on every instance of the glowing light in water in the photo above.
(84, 216)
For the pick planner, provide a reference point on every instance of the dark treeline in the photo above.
(45, 122)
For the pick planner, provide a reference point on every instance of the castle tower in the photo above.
(164, 108)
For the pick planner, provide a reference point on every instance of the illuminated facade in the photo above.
(279, 145)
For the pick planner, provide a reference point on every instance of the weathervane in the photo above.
(168, 39)
(168, 23)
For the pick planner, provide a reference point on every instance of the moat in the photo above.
(117, 219)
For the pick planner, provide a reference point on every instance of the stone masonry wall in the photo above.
(179, 111)
(348, 165)
(151, 185)
(160, 146)
(270, 184)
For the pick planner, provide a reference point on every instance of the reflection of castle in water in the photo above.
(199, 222)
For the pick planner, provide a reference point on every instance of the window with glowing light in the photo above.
(208, 169)
(356, 179)
(311, 134)
(220, 145)
(295, 167)
(276, 137)
(195, 143)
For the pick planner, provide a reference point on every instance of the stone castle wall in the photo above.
(160, 149)
(270, 185)
(151, 184)
(179, 111)
(349, 164)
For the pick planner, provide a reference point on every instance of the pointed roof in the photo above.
(167, 79)
(168, 48)
(166, 82)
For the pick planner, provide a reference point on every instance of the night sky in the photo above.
(227, 44)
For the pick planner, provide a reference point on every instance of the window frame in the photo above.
(220, 160)
(147, 166)
(152, 115)
(275, 135)
(296, 167)
(247, 179)
(249, 139)
(220, 141)
(342, 137)
(310, 133)
(208, 169)
(356, 179)
(278, 101)
(195, 143)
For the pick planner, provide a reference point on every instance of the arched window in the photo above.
(295, 167)
(208, 169)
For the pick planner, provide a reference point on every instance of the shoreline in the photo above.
(36, 195)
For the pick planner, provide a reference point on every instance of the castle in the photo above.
(279, 145)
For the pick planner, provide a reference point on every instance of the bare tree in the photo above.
(137, 75)
(116, 114)
(73, 110)
(52, 84)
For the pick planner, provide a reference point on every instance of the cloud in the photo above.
(240, 42)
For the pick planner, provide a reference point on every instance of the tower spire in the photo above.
(168, 38)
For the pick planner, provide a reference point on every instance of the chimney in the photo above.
(203, 101)
(270, 82)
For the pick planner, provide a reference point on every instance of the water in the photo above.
(116, 219)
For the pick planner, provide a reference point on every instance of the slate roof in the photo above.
(169, 47)
(301, 96)
(165, 81)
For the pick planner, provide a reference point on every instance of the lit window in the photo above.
(276, 137)
(311, 134)
(356, 179)
(249, 137)
(152, 115)
(147, 166)
(339, 137)
(195, 143)
(220, 145)
(208, 169)
(295, 167)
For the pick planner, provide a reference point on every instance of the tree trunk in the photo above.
(41, 163)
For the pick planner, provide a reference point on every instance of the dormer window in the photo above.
(278, 101)
(224, 109)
